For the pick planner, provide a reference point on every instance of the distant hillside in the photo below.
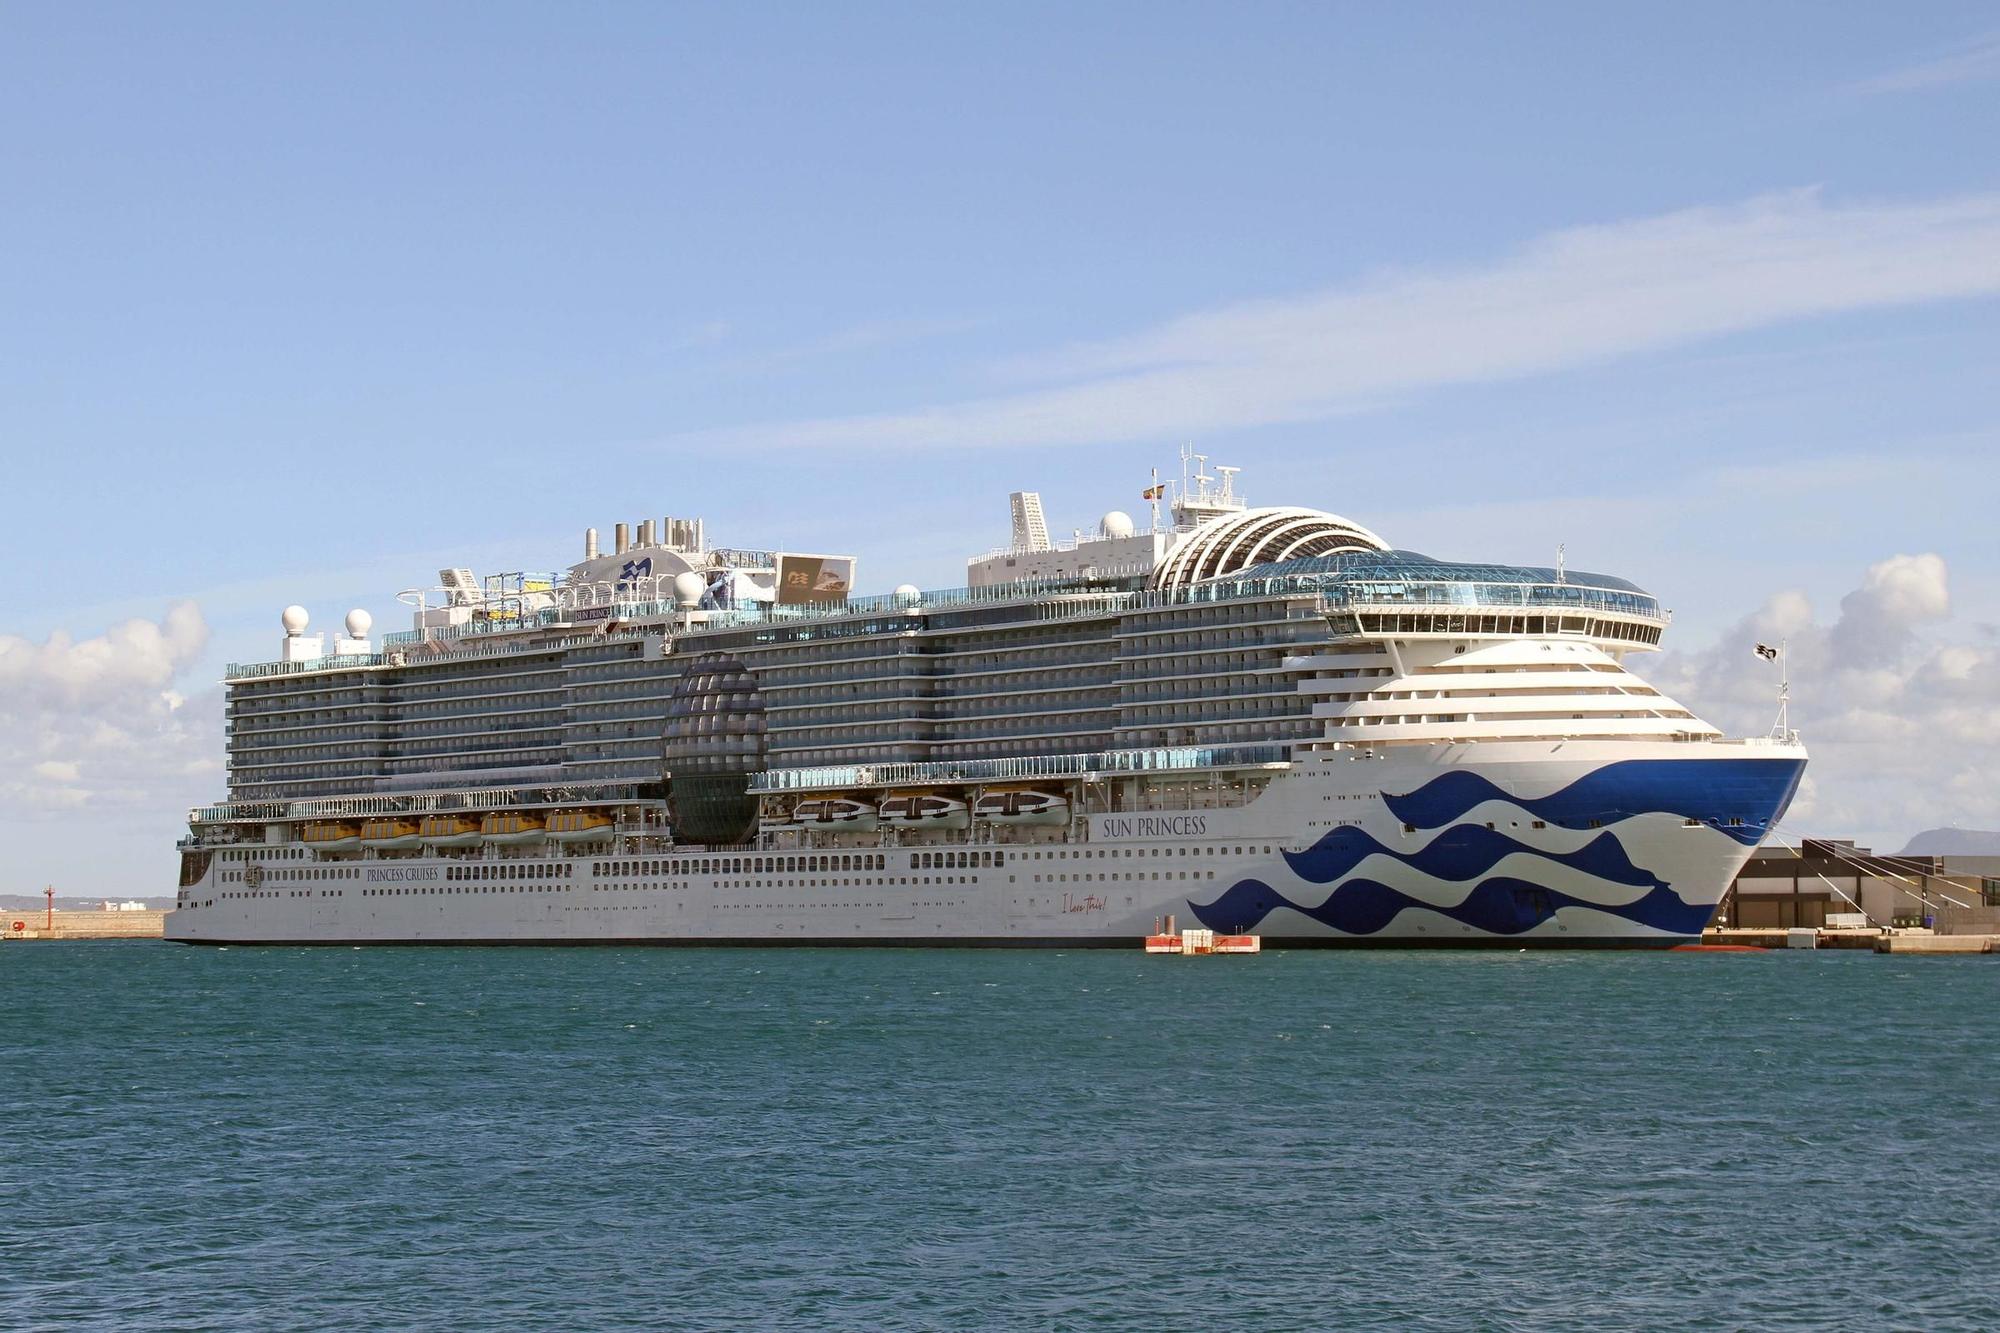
(1954, 842)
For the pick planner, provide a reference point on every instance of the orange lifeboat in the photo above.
(331, 834)
(390, 834)
(510, 828)
(579, 826)
(448, 831)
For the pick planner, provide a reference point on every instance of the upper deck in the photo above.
(1216, 634)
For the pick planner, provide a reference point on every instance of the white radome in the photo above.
(359, 622)
(1116, 524)
(688, 588)
(908, 592)
(295, 619)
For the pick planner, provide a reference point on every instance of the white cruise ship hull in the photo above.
(1565, 843)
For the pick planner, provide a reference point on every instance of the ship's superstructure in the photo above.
(1252, 718)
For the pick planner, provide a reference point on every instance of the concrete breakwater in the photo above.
(135, 925)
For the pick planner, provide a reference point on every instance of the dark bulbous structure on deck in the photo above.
(714, 741)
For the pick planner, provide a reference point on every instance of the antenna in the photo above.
(1783, 730)
(1562, 564)
(1228, 475)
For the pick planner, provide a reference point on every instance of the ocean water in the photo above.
(632, 1138)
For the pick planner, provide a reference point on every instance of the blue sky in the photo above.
(301, 304)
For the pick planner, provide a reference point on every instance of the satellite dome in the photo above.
(688, 588)
(1116, 524)
(358, 623)
(295, 619)
(908, 592)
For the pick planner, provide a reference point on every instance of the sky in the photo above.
(300, 304)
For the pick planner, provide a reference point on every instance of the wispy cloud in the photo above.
(1976, 59)
(1567, 299)
(706, 334)
(719, 347)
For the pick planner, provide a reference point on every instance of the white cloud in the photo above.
(136, 655)
(94, 723)
(1568, 299)
(1903, 723)
(1974, 60)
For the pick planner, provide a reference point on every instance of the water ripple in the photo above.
(550, 1139)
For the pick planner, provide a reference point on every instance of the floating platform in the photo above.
(1203, 941)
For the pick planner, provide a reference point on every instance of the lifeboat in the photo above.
(835, 812)
(332, 834)
(509, 828)
(579, 826)
(1022, 807)
(448, 831)
(390, 834)
(922, 809)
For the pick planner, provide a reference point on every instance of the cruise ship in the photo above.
(1256, 720)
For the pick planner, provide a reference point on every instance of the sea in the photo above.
(564, 1139)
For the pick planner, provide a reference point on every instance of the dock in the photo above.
(1934, 944)
(1892, 941)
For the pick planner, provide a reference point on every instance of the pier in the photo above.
(1888, 941)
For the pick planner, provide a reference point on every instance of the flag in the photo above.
(1153, 492)
(1766, 651)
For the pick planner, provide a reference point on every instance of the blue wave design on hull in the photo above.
(1464, 852)
(1498, 906)
(1713, 791)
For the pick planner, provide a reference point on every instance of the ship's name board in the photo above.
(404, 874)
(1151, 826)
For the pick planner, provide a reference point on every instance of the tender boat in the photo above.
(1017, 806)
(830, 812)
(922, 809)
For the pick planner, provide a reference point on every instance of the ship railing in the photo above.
(467, 801)
(1025, 768)
(1054, 599)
